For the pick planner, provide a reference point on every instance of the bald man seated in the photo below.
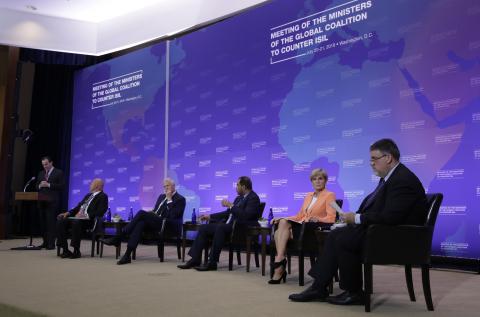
(81, 218)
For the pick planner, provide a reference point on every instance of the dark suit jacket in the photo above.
(97, 208)
(401, 200)
(244, 210)
(173, 210)
(56, 181)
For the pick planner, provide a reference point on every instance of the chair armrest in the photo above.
(272, 232)
(97, 226)
(404, 244)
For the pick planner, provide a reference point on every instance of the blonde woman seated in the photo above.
(315, 210)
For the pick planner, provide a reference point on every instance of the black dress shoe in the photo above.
(190, 264)
(66, 254)
(309, 295)
(208, 267)
(348, 298)
(124, 260)
(76, 254)
(115, 241)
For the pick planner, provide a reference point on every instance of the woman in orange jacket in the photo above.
(316, 209)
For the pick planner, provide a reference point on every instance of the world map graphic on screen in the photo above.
(285, 88)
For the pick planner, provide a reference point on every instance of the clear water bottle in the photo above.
(194, 216)
(270, 216)
(130, 214)
(108, 216)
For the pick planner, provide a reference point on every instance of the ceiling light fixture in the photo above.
(31, 7)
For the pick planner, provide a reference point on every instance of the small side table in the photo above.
(118, 230)
(188, 226)
(254, 232)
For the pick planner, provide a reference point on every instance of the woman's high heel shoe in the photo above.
(276, 265)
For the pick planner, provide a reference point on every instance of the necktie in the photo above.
(84, 207)
(371, 197)
(160, 207)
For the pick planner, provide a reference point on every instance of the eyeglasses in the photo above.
(374, 159)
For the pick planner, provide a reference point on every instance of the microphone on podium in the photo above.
(28, 183)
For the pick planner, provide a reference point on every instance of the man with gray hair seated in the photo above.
(169, 205)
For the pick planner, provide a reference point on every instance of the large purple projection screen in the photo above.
(285, 88)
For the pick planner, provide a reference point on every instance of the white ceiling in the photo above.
(97, 27)
(82, 10)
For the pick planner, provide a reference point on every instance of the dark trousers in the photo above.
(143, 220)
(78, 227)
(219, 231)
(343, 252)
(48, 217)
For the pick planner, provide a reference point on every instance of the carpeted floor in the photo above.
(40, 282)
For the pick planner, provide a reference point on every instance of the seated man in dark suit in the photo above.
(398, 199)
(169, 205)
(93, 205)
(244, 209)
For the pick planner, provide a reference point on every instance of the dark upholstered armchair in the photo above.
(406, 245)
(95, 233)
(171, 231)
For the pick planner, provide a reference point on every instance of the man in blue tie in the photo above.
(244, 210)
(398, 199)
(169, 205)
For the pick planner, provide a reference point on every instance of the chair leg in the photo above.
(58, 250)
(161, 250)
(368, 280)
(230, 258)
(101, 249)
(179, 247)
(301, 269)
(92, 249)
(409, 280)
(289, 264)
(257, 262)
(134, 254)
(98, 245)
(248, 246)
(426, 286)
(239, 258)
(118, 250)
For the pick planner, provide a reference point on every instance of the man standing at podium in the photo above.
(50, 182)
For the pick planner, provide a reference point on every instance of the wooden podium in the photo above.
(30, 198)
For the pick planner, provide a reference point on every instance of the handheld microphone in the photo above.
(28, 183)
